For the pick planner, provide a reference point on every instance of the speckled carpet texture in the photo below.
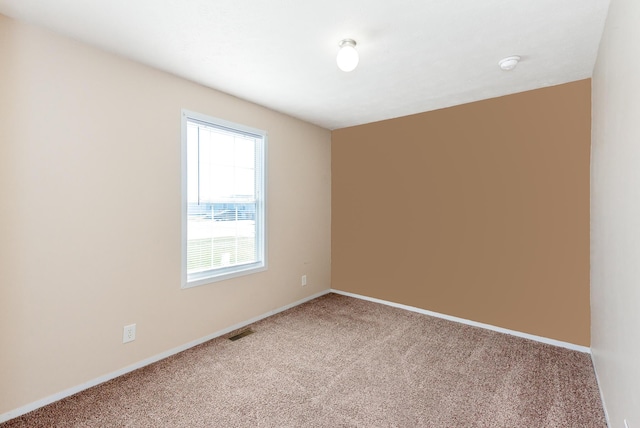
(342, 362)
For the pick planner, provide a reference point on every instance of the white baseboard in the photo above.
(546, 340)
(604, 405)
(75, 389)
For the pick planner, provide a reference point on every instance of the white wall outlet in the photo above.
(129, 333)
(304, 280)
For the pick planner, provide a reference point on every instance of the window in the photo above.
(223, 198)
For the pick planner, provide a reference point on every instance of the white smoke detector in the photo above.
(509, 63)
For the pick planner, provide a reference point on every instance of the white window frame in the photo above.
(220, 274)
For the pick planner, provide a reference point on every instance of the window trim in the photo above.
(222, 274)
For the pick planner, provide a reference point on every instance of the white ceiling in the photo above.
(415, 55)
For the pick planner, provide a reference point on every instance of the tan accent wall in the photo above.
(90, 214)
(479, 211)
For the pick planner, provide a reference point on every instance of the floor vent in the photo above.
(241, 335)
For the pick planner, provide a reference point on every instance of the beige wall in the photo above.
(615, 214)
(90, 214)
(479, 211)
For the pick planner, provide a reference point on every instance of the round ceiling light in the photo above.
(348, 57)
(509, 63)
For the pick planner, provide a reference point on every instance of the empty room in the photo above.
(319, 214)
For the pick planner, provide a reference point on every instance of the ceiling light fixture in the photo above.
(509, 63)
(348, 57)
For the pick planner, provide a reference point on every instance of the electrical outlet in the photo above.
(129, 333)
(304, 280)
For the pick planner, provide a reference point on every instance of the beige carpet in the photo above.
(342, 362)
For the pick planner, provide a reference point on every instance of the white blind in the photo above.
(223, 183)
